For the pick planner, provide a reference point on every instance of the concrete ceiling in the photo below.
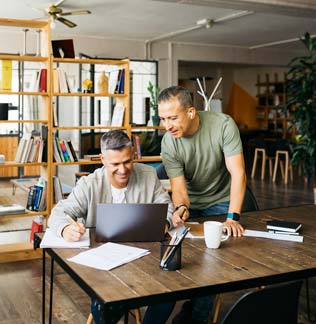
(146, 20)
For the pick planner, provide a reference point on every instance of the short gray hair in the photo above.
(114, 140)
(181, 93)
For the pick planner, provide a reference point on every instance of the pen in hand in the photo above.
(72, 221)
(73, 233)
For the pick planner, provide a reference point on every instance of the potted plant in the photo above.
(301, 104)
(154, 93)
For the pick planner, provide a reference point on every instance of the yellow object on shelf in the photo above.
(6, 75)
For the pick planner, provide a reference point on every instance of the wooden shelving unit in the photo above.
(271, 96)
(24, 250)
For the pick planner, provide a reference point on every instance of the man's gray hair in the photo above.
(114, 140)
(181, 93)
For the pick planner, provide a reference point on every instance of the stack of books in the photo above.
(283, 227)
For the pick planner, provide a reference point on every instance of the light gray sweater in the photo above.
(143, 187)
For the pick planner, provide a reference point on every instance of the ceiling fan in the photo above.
(55, 12)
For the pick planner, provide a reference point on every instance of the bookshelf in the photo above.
(271, 96)
(23, 94)
(48, 116)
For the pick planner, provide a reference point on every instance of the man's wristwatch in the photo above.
(233, 216)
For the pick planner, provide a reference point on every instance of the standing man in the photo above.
(202, 154)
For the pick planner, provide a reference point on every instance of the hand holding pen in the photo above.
(180, 215)
(74, 231)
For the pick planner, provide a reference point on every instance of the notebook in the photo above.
(286, 226)
(130, 222)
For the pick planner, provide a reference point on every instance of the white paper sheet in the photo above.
(181, 228)
(273, 236)
(50, 240)
(109, 256)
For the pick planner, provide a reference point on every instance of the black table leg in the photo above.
(51, 290)
(43, 285)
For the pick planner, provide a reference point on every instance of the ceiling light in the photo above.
(207, 23)
(52, 23)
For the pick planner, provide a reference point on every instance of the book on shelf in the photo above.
(21, 148)
(27, 150)
(64, 150)
(55, 115)
(44, 134)
(32, 157)
(69, 151)
(285, 226)
(6, 83)
(65, 86)
(57, 152)
(113, 76)
(36, 200)
(118, 81)
(43, 80)
(56, 83)
(31, 199)
(92, 157)
(58, 193)
(118, 115)
(11, 209)
(122, 80)
(137, 146)
(72, 150)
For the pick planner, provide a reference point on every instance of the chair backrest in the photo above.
(274, 305)
(161, 172)
(250, 203)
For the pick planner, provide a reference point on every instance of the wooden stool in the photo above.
(288, 166)
(263, 163)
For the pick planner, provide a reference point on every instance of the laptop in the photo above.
(131, 222)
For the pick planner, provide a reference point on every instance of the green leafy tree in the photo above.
(301, 102)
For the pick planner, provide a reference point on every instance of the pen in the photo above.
(173, 239)
(72, 221)
(176, 244)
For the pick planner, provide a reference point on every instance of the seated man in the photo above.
(118, 181)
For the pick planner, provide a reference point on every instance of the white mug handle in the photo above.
(224, 237)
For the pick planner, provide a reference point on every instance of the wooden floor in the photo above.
(20, 282)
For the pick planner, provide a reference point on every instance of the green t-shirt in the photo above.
(201, 158)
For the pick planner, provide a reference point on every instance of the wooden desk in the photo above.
(238, 264)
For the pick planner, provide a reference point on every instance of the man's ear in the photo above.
(191, 112)
(102, 159)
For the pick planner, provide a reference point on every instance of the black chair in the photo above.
(274, 305)
(250, 203)
(161, 172)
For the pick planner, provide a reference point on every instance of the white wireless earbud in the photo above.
(191, 115)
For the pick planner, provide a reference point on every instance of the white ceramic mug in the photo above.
(213, 234)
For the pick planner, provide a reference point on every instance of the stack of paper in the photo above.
(109, 256)
(50, 240)
(285, 237)
(196, 230)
